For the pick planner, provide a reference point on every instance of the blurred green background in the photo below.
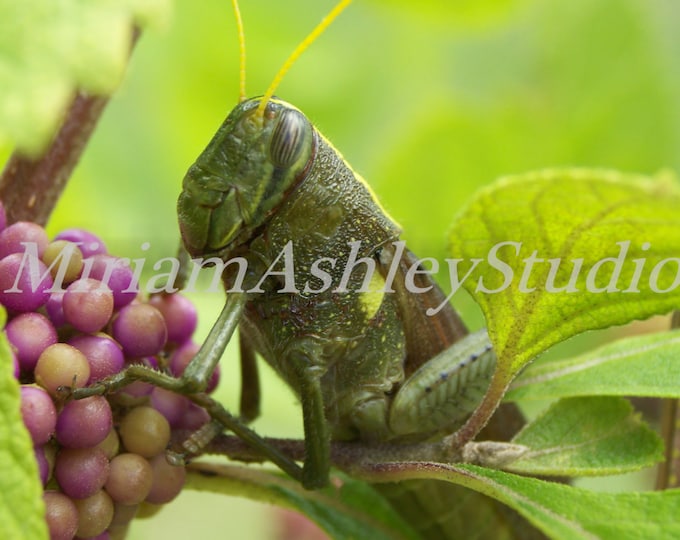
(427, 100)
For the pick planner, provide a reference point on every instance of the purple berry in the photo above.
(181, 357)
(171, 405)
(38, 413)
(148, 361)
(129, 479)
(30, 334)
(84, 422)
(61, 365)
(110, 445)
(140, 329)
(137, 389)
(88, 243)
(213, 381)
(179, 313)
(144, 431)
(43, 464)
(61, 515)
(184, 354)
(167, 480)
(64, 260)
(3, 217)
(88, 305)
(103, 354)
(12, 238)
(116, 273)
(95, 513)
(32, 281)
(55, 309)
(193, 418)
(81, 472)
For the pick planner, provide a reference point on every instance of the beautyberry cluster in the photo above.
(75, 317)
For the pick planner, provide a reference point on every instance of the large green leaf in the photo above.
(610, 239)
(637, 366)
(48, 50)
(587, 436)
(21, 506)
(565, 512)
(347, 510)
(562, 512)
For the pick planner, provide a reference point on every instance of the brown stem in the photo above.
(30, 188)
(667, 472)
(344, 455)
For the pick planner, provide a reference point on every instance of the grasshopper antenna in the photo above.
(325, 22)
(241, 49)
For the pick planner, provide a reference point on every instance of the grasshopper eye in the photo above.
(288, 138)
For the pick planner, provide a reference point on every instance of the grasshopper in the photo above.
(367, 362)
(365, 359)
(357, 346)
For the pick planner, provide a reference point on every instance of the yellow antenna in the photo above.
(327, 20)
(242, 50)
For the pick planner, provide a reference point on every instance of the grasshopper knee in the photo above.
(190, 384)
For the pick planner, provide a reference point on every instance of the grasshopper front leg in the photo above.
(306, 377)
(195, 379)
(317, 437)
(196, 375)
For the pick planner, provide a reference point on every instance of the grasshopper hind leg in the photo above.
(445, 390)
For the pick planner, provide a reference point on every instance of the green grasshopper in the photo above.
(365, 359)
(357, 347)
(367, 362)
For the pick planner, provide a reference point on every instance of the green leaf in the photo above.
(347, 510)
(637, 366)
(587, 436)
(612, 239)
(21, 506)
(562, 512)
(565, 512)
(48, 50)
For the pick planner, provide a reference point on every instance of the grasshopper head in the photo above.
(252, 163)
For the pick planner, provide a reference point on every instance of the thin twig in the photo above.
(344, 455)
(667, 471)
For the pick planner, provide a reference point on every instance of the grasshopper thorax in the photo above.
(247, 170)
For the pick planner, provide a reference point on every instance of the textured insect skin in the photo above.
(368, 366)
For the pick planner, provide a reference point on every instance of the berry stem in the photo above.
(30, 188)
